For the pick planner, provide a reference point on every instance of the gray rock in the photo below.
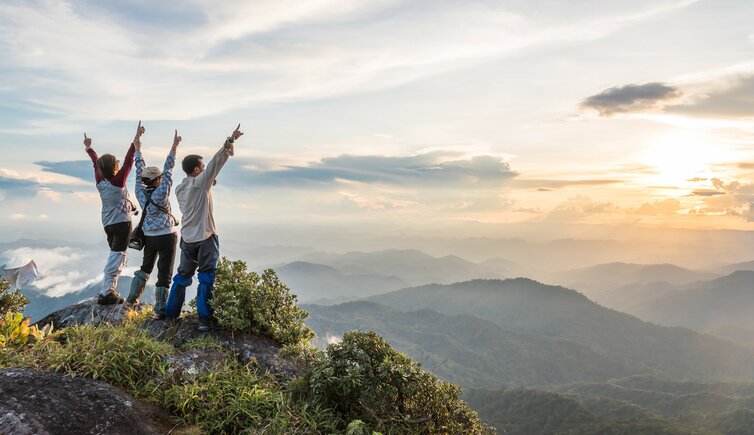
(194, 361)
(88, 312)
(36, 402)
(247, 348)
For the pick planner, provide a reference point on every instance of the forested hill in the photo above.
(529, 307)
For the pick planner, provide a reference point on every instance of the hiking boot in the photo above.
(203, 325)
(110, 298)
(160, 300)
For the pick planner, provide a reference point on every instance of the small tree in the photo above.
(10, 301)
(364, 378)
(260, 304)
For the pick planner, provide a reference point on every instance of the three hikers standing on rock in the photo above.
(199, 242)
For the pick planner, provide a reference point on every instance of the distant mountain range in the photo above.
(470, 351)
(415, 267)
(313, 282)
(529, 307)
(597, 281)
(727, 270)
(707, 305)
(331, 278)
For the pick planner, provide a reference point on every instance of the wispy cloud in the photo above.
(117, 59)
(545, 185)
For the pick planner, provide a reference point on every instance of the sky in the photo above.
(386, 113)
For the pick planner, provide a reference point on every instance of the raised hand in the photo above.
(137, 138)
(176, 140)
(237, 133)
(233, 137)
(87, 141)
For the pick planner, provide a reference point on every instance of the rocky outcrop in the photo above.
(247, 348)
(88, 312)
(36, 402)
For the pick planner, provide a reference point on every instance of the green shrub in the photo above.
(364, 378)
(259, 304)
(10, 301)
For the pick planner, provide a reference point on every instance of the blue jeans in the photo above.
(197, 255)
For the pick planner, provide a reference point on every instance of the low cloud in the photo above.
(734, 198)
(660, 207)
(706, 192)
(61, 270)
(578, 208)
(546, 185)
(582, 208)
(631, 98)
(81, 169)
(18, 187)
(435, 169)
(733, 98)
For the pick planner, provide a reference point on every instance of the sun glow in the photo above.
(679, 158)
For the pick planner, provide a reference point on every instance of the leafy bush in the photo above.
(364, 378)
(10, 301)
(15, 331)
(259, 304)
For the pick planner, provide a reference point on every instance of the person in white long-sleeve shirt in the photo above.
(200, 247)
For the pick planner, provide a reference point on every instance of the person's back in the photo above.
(195, 203)
(200, 248)
(116, 202)
(159, 226)
(117, 207)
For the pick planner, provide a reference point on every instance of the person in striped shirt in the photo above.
(160, 228)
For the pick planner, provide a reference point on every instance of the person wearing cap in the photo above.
(160, 227)
(117, 208)
(200, 247)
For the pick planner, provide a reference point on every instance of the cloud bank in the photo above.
(437, 169)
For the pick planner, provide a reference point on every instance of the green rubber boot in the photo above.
(137, 286)
(160, 300)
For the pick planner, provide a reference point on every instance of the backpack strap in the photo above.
(159, 207)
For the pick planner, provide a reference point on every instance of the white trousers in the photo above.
(113, 267)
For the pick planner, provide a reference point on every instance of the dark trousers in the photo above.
(202, 256)
(118, 235)
(162, 247)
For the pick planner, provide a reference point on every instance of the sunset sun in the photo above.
(678, 158)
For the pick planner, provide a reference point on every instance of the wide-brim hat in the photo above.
(151, 173)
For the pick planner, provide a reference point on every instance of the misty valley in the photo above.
(605, 348)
